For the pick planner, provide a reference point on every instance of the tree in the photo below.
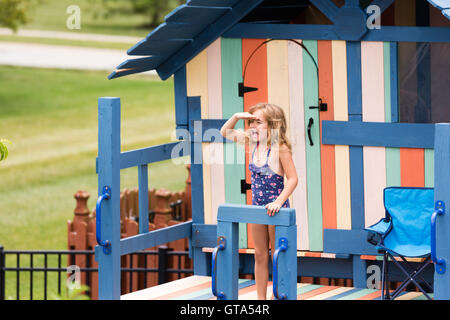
(154, 9)
(4, 149)
(14, 12)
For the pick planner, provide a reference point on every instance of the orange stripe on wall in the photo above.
(329, 215)
(255, 76)
(412, 167)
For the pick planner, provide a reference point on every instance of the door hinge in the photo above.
(243, 89)
(245, 186)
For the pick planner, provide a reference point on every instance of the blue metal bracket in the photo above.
(439, 209)
(106, 244)
(221, 246)
(282, 246)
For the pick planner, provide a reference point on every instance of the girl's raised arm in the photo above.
(228, 130)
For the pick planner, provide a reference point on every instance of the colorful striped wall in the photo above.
(285, 75)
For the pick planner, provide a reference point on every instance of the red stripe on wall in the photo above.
(255, 76)
(412, 167)
(329, 215)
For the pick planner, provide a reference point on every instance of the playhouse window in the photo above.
(423, 82)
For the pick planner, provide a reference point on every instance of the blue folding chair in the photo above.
(404, 232)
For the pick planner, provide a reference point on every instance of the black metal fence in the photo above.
(14, 264)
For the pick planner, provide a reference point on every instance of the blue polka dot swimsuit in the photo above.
(266, 184)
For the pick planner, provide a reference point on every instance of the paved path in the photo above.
(65, 57)
(74, 35)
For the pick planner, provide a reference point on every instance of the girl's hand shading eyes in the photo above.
(245, 116)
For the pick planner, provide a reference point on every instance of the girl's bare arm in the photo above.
(228, 130)
(291, 182)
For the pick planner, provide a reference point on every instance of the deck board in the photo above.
(199, 288)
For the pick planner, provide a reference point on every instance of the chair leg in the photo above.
(384, 279)
(418, 270)
(405, 283)
(410, 277)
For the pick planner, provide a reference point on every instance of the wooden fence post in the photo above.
(149, 261)
(163, 212)
(91, 242)
(177, 262)
(129, 228)
(77, 231)
(187, 196)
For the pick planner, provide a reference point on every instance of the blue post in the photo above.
(198, 212)
(354, 85)
(108, 168)
(143, 198)
(228, 219)
(287, 265)
(228, 260)
(442, 193)
(359, 272)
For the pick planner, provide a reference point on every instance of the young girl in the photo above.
(271, 159)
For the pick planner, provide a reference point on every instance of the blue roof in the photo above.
(185, 32)
(443, 5)
(191, 27)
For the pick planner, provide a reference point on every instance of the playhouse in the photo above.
(363, 85)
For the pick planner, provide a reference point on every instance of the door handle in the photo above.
(311, 122)
(322, 106)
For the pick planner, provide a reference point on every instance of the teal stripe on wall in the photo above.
(234, 154)
(313, 170)
(392, 154)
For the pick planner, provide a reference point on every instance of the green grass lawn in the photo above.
(51, 15)
(51, 118)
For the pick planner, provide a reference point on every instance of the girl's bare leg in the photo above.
(272, 239)
(272, 245)
(261, 241)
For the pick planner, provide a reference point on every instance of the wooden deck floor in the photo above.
(199, 288)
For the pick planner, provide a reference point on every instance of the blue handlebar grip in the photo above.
(220, 246)
(282, 246)
(439, 210)
(106, 244)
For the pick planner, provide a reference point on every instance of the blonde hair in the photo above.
(276, 120)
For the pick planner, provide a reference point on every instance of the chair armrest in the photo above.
(378, 231)
(382, 227)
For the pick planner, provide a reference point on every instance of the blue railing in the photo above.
(225, 272)
(110, 161)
